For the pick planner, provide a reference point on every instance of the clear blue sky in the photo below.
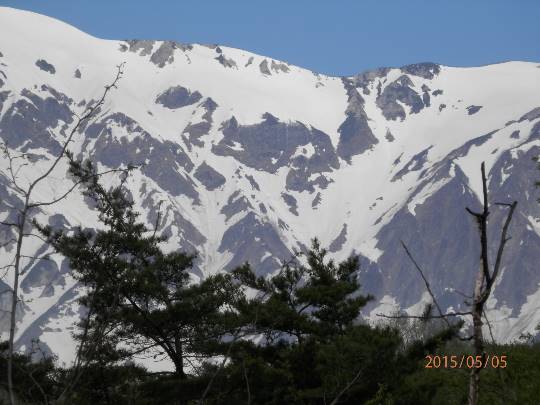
(338, 37)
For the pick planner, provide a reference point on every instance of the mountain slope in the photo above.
(252, 157)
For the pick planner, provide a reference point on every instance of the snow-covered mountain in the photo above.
(253, 157)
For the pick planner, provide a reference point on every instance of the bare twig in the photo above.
(247, 382)
(218, 369)
(158, 218)
(64, 195)
(489, 327)
(25, 213)
(35, 382)
(483, 287)
(346, 388)
(503, 241)
(484, 282)
(428, 287)
(442, 316)
(9, 223)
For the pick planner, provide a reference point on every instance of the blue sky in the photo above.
(338, 37)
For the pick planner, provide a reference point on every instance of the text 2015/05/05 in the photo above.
(466, 361)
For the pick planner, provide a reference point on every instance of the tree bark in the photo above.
(478, 338)
(14, 301)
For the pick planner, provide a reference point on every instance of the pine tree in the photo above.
(140, 300)
(312, 349)
(320, 299)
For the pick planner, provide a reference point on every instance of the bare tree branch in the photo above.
(11, 159)
(24, 215)
(158, 218)
(502, 242)
(236, 336)
(347, 387)
(489, 327)
(484, 282)
(41, 204)
(247, 382)
(5, 223)
(428, 287)
(88, 114)
(442, 316)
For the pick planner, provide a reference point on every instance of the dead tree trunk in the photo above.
(484, 282)
(482, 277)
(478, 337)
(483, 286)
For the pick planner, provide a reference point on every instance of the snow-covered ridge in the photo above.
(252, 157)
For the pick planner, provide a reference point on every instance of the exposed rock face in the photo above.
(163, 54)
(236, 204)
(291, 202)
(194, 131)
(365, 79)
(164, 162)
(178, 97)
(209, 177)
(279, 67)
(45, 66)
(396, 93)
(416, 163)
(29, 118)
(355, 133)
(3, 97)
(427, 70)
(263, 67)
(271, 145)
(428, 230)
(473, 109)
(143, 48)
(340, 240)
(531, 115)
(250, 239)
(226, 62)
(247, 158)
